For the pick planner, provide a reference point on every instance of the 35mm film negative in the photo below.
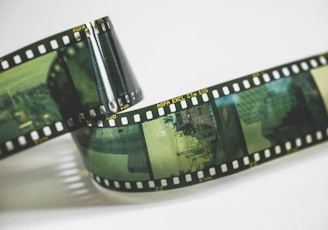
(58, 84)
(79, 81)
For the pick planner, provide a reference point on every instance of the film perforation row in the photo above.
(50, 44)
(101, 25)
(151, 112)
(221, 90)
(96, 112)
(32, 138)
(216, 171)
(38, 49)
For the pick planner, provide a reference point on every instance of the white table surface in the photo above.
(174, 47)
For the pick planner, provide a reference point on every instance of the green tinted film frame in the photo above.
(174, 105)
(128, 95)
(207, 96)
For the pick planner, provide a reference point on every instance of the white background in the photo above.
(174, 47)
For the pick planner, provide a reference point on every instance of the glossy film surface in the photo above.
(79, 81)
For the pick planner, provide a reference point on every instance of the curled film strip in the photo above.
(60, 83)
(193, 138)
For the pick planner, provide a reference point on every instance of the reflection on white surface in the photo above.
(48, 187)
(192, 45)
(52, 176)
(47, 176)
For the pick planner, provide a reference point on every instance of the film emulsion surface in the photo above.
(80, 81)
(280, 111)
(214, 138)
(61, 83)
(26, 104)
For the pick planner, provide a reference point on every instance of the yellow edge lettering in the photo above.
(159, 188)
(205, 179)
(78, 28)
(252, 164)
(124, 106)
(111, 117)
(40, 140)
(163, 104)
(177, 99)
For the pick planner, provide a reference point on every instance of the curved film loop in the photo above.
(80, 81)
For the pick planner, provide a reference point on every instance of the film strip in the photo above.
(193, 138)
(58, 84)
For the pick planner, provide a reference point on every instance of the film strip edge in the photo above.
(80, 119)
(206, 95)
(216, 171)
(160, 109)
(98, 117)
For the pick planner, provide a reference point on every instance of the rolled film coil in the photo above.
(60, 83)
(189, 139)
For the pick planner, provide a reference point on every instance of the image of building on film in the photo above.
(280, 111)
(193, 139)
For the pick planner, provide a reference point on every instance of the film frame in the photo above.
(66, 40)
(205, 96)
(100, 116)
